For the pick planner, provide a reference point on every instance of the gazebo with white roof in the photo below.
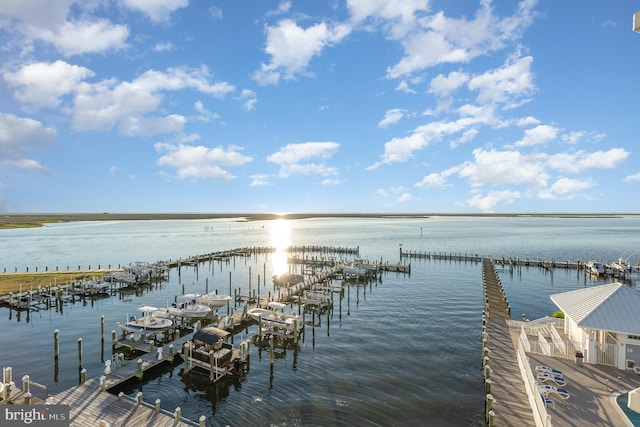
(604, 323)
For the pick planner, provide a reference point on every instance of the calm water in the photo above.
(404, 350)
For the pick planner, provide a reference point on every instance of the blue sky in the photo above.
(399, 106)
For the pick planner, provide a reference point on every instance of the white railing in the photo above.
(536, 348)
(557, 340)
(606, 354)
(533, 326)
(524, 338)
(544, 345)
(539, 408)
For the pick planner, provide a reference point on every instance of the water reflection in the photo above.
(280, 239)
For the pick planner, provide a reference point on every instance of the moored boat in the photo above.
(148, 322)
(209, 352)
(213, 300)
(274, 317)
(189, 308)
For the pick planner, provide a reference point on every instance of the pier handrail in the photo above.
(533, 325)
(540, 414)
(183, 420)
(557, 340)
(544, 345)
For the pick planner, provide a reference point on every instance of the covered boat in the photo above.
(209, 352)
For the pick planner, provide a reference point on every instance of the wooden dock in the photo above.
(90, 405)
(507, 403)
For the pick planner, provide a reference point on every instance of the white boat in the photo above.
(274, 316)
(189, 308)
(95, 287)
(595, 268)
(147, 322)
(213, 300)
(353, 270)
(208, 351)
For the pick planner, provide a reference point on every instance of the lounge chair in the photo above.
(549, 370)
(557, 380)
(546, 400)
(550, 391)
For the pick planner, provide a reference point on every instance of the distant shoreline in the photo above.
(37, 220)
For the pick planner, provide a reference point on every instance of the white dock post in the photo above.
(202, 420)
(25, 384)
(489, 406)
(157, 405)
(139, 398)
(139, 373)
(178, 414)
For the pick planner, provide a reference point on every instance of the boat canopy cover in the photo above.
(210, 335)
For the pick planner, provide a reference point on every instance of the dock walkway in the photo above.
(503, 380)
(89, 405)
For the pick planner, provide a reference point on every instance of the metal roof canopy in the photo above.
(613, 307)
(210, 335)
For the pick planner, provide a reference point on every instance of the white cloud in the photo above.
(632, 178)
(156, 10)
(566, 188)
(163, 47)
(391, 117)
(125, 105)
(76, 38)
(405, 197)
(259, 180)
(194, 162)
(248, 99)
(399, 150)
(433, 180)
(43, 84)
(64, 24)
(493, 167)
(331, 181)
(296, 159)
(292, 47)
(580, 161)
(204, 114)
(511, 81)
(447, 40)
(538, 135)
(28, 165)
(443, 85)
(132, 126)
(488, 202)
(283, 7)
(18, 135)
(398, 17)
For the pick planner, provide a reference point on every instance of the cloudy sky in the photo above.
(396, 106)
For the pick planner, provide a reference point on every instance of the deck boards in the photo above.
(511, 403)
(88, 406)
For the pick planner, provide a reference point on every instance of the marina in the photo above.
(204, 349)
(356, 308)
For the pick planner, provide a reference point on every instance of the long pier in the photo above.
(507, 403)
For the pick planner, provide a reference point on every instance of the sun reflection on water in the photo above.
(280, 239)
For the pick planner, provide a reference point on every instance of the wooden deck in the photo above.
(89, 406)
(505, 384)
(592, 390)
